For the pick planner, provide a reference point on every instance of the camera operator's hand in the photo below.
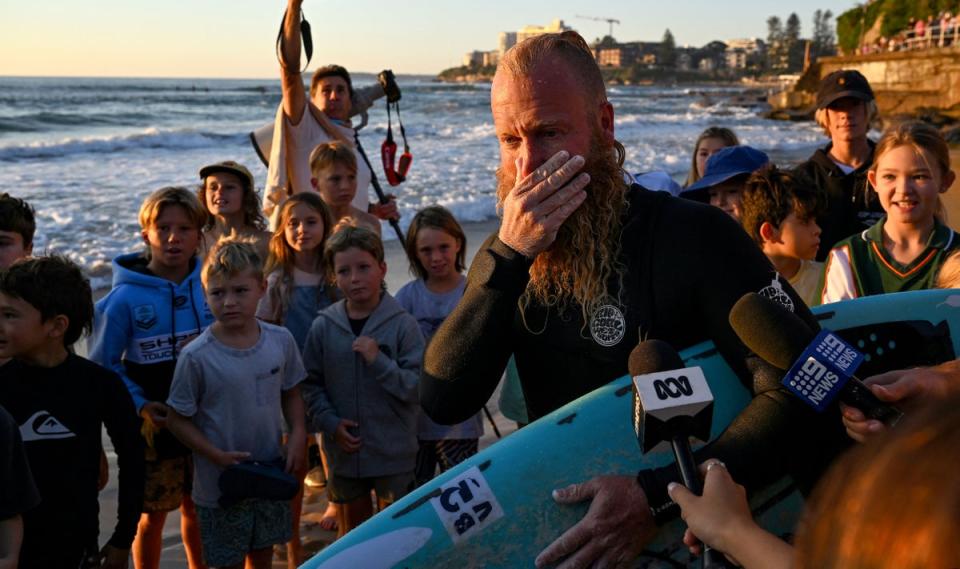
(389, 83)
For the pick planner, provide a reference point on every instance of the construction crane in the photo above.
(610, 21)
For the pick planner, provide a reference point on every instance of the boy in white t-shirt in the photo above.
(232, 388)
(779, 211)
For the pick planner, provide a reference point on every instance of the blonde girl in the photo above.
(708, 143)
(905, 249)
(228, 195)
(297, 289)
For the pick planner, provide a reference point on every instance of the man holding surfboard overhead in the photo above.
(586, 264)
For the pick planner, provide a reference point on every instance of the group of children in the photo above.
(222, 346)
(219, 348)
(906, 249)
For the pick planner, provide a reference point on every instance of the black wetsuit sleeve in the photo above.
(468, 353)
(123, 427)
(18, 493)
(776, 433)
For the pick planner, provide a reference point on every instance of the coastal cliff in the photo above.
(905, 83)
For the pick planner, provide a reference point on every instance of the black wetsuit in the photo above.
(851, 206)
(61, 412)
(686, 265)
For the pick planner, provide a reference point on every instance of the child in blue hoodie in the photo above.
(157, 306)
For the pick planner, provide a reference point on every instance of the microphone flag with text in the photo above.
(672, 403)
(820, 365)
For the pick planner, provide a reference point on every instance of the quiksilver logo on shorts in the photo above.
(607, 326)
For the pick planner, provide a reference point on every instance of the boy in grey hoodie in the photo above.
(363, 357)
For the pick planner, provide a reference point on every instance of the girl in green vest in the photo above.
(905, 248)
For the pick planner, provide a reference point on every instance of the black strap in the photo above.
(390, 124)
(403, 132)
(305, 36)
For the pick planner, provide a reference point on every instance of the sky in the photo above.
(235, 38)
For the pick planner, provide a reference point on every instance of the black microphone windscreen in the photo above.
(770, 330)
(652, 356)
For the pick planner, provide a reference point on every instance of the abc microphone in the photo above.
(820, 366)
(671, 403)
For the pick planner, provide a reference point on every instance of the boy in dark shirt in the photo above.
(61, 401)
(18, 493)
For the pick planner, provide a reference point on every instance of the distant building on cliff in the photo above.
(506, 40)
(553, 27)
(744, 53)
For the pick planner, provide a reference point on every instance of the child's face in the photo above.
(233, 299)
(707, 148)
(437, 252)
(337, 185)
(303, 230)
(358, 275)
(11, 248)
(799, 238)
(908, 185)
(224, 192)
(22, 328)
(726, 196)
(173, 238)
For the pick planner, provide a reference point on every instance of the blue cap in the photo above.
(727, 163)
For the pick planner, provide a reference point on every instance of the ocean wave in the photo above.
(150, 138)
(49, 121)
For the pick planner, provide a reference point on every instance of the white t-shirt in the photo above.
(304, 137)
(233, 397)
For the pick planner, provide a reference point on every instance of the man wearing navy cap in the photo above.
(845, 110)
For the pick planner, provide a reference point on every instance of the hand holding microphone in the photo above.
(671, 404)
(820, 367)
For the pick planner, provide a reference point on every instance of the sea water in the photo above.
(85, 152)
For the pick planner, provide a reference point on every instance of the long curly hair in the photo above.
(579, 265)
(280, 263)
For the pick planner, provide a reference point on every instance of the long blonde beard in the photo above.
(579, 265)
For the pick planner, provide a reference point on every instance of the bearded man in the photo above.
(584, 265)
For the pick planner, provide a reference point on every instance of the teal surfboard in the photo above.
(495, 509)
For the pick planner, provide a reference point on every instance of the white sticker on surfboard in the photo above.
(466, 505)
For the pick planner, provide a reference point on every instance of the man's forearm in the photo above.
(467, 355)
(291, 37)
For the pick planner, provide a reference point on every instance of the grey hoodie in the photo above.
(382, 397)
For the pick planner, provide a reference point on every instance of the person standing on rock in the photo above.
(845, 110)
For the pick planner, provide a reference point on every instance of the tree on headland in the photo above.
(668, 51)
(776, 56)
(823, 39)
(794, 45)
(607, 41)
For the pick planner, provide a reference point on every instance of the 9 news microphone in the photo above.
(820, 366)
(671, 403)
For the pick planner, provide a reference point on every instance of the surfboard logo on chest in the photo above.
(776, 293)
(607, 326)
